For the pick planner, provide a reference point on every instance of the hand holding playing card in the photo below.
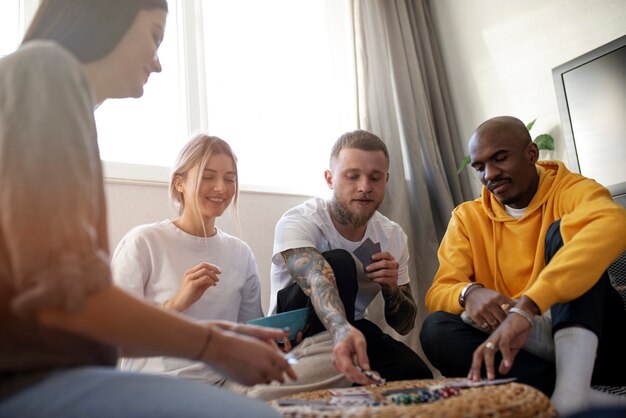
(366, 250)
(381, 267)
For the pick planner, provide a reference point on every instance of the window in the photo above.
(275, 79)
(277, 89)
(9, 22)
(14, 18)
(140, 138)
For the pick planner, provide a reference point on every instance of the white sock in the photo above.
(575, 350)
(601, 399)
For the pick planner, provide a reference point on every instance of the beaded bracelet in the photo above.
(523, 313)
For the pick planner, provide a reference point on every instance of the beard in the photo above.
(344, 215)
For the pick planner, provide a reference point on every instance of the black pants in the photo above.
(388, 356)
(449, 343)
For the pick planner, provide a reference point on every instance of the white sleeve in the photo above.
(294, 231)
(129, 266)
(250, 307)
(403, 262)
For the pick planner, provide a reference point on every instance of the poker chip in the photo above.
(423, 395)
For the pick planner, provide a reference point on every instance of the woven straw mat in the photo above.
(511, 400)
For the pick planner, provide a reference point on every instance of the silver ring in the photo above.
(490, 346)
(485, 325)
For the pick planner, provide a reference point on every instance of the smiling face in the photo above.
(218, 186)
(504, 157)
(358, 179)
(135, 57)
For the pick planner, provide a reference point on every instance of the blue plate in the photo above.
(295, 320)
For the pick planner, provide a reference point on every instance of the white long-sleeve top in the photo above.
(150, 262)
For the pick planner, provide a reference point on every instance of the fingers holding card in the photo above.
(365, 251)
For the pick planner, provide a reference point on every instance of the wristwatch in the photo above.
(468, 288)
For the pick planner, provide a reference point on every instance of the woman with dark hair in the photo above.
(62, 321)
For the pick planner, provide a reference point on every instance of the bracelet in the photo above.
(523, 313)
(468, 288)
(207, 340)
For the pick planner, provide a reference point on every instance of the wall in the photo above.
(499, 55)
(134, 204)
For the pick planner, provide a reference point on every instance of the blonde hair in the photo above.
(359, 139)
(197, 152)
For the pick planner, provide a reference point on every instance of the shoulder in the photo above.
(467, 214)
(574, 188)
(471, 208)
(146, 233)
(232, 241)
(45, 73)
(381, 222)
(46, 58)
(310, 207)
(313, 211)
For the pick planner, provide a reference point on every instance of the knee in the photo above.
(341, 262)
(553, 241)
(434, 330)
(339, 257)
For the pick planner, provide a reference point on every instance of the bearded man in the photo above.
(335, 256)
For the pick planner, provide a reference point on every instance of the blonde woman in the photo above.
(187, 264)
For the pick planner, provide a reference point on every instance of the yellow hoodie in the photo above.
(485, 245)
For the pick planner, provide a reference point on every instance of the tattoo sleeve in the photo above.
(316, 278)
(400, 309)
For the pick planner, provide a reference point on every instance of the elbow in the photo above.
(405, 325)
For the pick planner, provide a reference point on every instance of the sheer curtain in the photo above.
(403, 98)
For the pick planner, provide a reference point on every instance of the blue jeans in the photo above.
(108, 393)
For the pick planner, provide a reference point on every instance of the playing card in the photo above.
(363, 400)
(365, 251)
(351, 391)
(300, 402)
(470, 384)
(295, 320)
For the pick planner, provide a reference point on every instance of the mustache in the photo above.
(496, 182)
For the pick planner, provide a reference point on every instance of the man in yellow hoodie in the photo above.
(538, 241)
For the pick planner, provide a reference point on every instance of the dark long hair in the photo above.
(89, 29)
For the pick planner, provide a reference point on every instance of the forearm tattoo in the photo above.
(401, 310)
(316, 278)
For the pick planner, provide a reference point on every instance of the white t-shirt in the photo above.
(310, 225)
(150, 261)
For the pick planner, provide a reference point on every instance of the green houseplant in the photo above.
(543, 141)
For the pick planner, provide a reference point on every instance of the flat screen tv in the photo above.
(591, 95)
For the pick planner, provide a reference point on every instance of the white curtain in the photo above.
(403, 98)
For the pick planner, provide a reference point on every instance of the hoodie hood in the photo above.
(549, 174)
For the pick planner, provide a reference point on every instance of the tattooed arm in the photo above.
(400, 309)
(316, 278)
